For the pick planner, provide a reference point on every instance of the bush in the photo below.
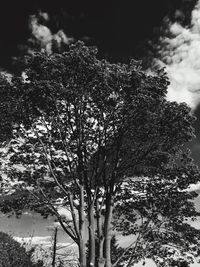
(13, 254)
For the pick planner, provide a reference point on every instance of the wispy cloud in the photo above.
(43, 36)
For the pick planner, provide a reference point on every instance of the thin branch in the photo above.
(73, 214)
(72, 235)
(64, 143)
(49, 165)
(124, 253)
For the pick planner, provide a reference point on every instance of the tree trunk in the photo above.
(107, 231)
(100, 257)
(101, 262)
(91, 229)
(82, 236)
(82, 253)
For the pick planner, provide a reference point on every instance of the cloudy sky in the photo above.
(166, 31)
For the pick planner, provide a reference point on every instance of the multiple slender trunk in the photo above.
(94, 247)
(99, 235)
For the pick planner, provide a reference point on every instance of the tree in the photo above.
(101, 140)
(14, 254)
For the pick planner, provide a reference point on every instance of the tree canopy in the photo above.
(102, 141)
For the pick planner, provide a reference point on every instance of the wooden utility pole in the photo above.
(54, 247)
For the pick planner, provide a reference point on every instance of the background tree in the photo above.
(14, 254)
(101, 140)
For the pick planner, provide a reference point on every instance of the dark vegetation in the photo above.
(12, 253)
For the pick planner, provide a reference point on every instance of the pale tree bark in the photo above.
(91, 228)
(82, 237)
(100, 257)
(107, 229)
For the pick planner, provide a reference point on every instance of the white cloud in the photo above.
(65, 212)
(43, 35)
(194, 187)
(181, 54)
(45, 241)
(35, 240)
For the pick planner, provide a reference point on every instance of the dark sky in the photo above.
(118, 28)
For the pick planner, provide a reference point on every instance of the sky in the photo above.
(166, 31)
(119, 28)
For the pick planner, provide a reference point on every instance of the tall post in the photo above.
(54, 247)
